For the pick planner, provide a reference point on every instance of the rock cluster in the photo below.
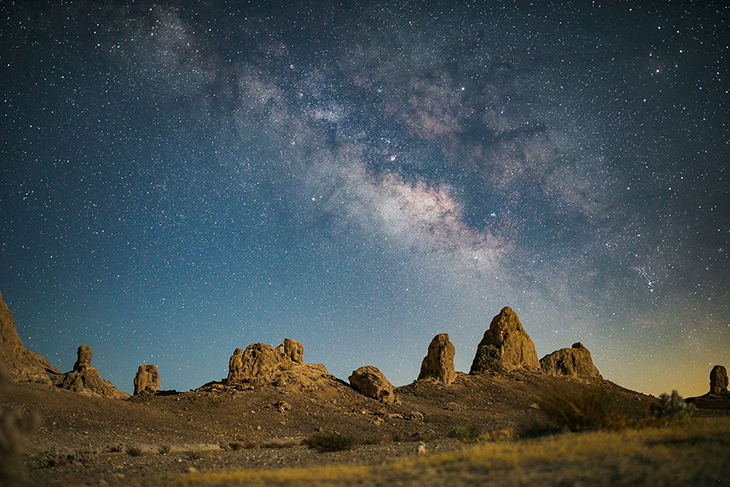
(439, 363)
(371, 382)
(21, 363)
(85, 379)
(505, 346)
(147, 380)
(718, 380)
(575, 362)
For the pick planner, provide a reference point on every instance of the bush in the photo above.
(330, 442)
(164, 449)
(579, 410)
(134, 451)
(466, 434)
(672, 406)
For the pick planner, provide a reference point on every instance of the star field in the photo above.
(179, 181)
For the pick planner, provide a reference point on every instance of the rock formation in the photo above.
(147, 380)
(439, 363)
(575, 362)
(505, 346)
(718, 380)
(371, 382)
(258, 363)
(21, 363)
(85, 379)
(294, 350)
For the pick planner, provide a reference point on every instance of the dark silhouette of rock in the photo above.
(370, 381)
(258, 363)
(505, 346)
(575, 362)
(439, 363)
(294, 350)
(147, 379)
(718, 380)
(85, 379)
(20, 363)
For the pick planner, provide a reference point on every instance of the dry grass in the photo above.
(687, 453)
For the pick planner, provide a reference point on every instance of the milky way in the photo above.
(177, 182)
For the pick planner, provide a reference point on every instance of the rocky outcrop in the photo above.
(294, 350)
(257, 364)
(575, 362)
(85, 379)
(21, 363)
(439, 363)
(147, 380)
(505, 346)
(718, 380)
(371, 382)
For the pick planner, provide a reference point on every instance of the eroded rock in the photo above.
(258, 363)
(85, 379)
(575, 362)
(718, 380)
(371, 382)
(505, 346)
(21, 363)
(147, 379)
(294, 350)
(439, 363)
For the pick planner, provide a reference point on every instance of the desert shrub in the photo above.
(330, 442)
(134, 451)
(194, 456)
(466, 433)
(164, 449)
(672, 406)
(579, 410)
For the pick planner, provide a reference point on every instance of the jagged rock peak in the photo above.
(505, 346)
(439, 362)
(575, 362)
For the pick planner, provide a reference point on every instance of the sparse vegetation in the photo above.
(466, 433)
(164, 449)
(330, 442)
(672, 406)
(655, 456)
(578, 410)
(194, 456)
(53, 458)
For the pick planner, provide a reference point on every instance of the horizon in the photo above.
(180, 181)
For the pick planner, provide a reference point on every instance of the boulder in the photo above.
(370, 381)
(718, 380)
(294, 350)
(505, 346)
(575, 362)
(147, 379)
(257, 364)
(439, 363)
(20, 363)
(85, 379)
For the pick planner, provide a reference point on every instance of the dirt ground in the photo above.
(88, 440)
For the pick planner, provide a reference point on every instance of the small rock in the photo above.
(421, 450)
(282, 406)
(192, 470)
(371, 382)
(414, 416)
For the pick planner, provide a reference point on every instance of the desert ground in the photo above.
(491, 429)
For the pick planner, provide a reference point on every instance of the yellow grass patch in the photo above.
(690, 453)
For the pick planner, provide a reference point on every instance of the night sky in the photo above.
(180, 181)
